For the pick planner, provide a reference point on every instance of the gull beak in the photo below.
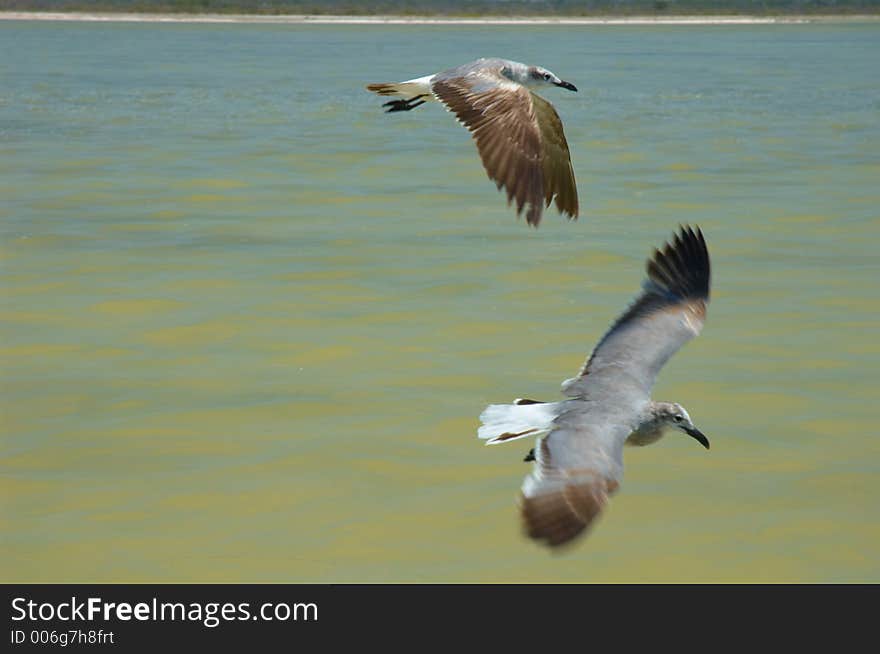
(567, 85)
(695, 433)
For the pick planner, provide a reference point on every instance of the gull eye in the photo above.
(678, 418)
(547, 76)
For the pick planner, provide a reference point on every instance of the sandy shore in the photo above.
(429, 20)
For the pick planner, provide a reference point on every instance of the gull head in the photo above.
(675, 416)
(538, 77)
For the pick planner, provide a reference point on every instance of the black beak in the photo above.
(698, 435)
(567, 85)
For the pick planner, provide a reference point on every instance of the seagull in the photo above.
(578, 457)
(519, 135)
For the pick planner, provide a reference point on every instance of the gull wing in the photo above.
(670, 311)
(578, 465)
(558, 172)
(519, 137)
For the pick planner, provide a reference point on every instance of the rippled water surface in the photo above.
(249, 321)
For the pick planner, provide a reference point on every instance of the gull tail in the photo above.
(387, 89)
(413, 92)
(509, 422)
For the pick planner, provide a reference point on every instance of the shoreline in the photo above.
(301, 19)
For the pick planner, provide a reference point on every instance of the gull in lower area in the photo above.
(579, 452)
(518, 133)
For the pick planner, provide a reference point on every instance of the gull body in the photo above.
(579, 452)
(518, 133)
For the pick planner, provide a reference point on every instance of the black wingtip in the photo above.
(682, 268)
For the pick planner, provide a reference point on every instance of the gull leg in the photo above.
(405, 105)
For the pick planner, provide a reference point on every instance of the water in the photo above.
(249, 321)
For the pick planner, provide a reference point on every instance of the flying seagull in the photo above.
(519, 134)
(579, 453)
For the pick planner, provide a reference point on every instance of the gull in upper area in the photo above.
(518, 133)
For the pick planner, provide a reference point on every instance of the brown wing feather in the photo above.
(563, 503)
(561, 516)
(558, 172)
(513, 144)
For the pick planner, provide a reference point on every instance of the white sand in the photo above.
(428, 20)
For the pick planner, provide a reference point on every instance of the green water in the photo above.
(249, 321)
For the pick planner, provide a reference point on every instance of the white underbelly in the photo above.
(644, 437)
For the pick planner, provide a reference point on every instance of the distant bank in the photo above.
(431, 20)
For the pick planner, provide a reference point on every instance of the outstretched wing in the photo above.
(519, 137)
(670, 311)
(578, 465)
(558, 173)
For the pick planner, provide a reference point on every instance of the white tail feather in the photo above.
(421, 86)
(503, 423)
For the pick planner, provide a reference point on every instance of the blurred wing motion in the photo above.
(577, 466)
